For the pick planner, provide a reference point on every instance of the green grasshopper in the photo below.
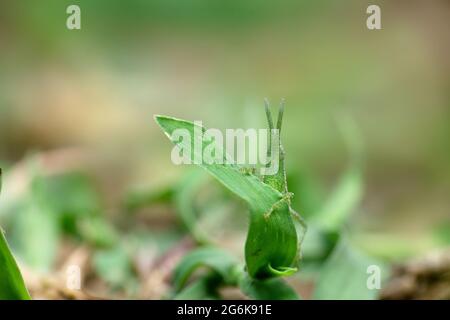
(272, 248)
(267, 258)
(278, 181)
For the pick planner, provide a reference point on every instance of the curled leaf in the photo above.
(219, 261)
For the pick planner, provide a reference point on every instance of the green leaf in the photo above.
(98, 231)
(272, 242)
(71, 197)
(114, 266)
(70, 194)
(309, 193)
(269, 289)
(204, 288)
(181, 194)
(342, 203)
(258, 195)
(12, 286)
(140, 199)
(348, 193)
(36, 226)
(345, 274)
(316, 245)
(183, 197)
(218, 260)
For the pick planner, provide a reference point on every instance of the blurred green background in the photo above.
(84, 100)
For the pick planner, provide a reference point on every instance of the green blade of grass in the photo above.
(34, 227)
(342, 203)
(219, 261)
(272, 245)
(204, 288)
(348, 193)
(258, 195)
(12, 286)
(136, 200)
(345, 274)
(183, 199)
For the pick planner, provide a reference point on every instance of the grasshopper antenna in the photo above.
(270, 122)
(268, 114)
(280, 114)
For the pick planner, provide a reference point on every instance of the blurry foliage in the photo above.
(61, 206)
(344, 274)
(326, 248)
(67, 205)
(115, 267)
(223, 265)
(53, 206)
(153, 54)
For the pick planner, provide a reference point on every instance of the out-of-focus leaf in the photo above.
(342, 202)
(182, 194)
(309, 194)
(139, 199)
(218, 260)
(71, 196)
(98, 232)
(345, 274)
(204, 288)
(184, 201)
(12, 286)
(269, 289)
(75, 206)
(54, 205)
(272, 245)
(315, 246)
(35, 229)
(35, 235)
(114, 267)
(70, 193)
(348, 193)
(39, 220)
